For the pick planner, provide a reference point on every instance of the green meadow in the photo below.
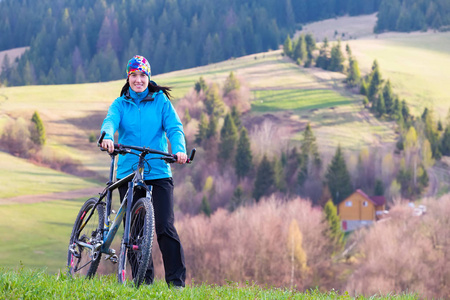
(37, 284)
(297, 100)
(24, 178)
(417, 65)
(37, 235)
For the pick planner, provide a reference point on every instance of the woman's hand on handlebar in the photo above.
(108, 145)
(181, 158)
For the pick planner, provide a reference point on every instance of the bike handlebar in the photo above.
(124, 149)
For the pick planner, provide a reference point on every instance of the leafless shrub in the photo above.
(250, 244)
(267, 138)
(185, 196)
(239, 98)
(15, 138)
(406, 253)
(194, 102)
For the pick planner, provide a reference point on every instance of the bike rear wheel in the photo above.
(81, 260)
(139, 248)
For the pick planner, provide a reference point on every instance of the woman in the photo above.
(144, 116)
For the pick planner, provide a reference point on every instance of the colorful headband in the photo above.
(139, 63)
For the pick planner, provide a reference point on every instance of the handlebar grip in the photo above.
(100, 140)
(191, 157)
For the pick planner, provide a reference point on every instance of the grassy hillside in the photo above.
(37, 235)
(24, 178)
(36, 284)
(71, 112)
(416, 64)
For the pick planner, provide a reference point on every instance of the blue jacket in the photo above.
(145, 122)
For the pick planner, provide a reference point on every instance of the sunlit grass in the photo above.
(417, 65)
(296, 100)
(37, 284)
(20, 177)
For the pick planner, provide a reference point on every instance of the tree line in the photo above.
(407, 15)
(89, 41)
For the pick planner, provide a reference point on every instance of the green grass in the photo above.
(20, 177)
(37, 235)
(296, 100)
(37, 284)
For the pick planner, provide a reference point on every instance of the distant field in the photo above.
(417, 65)
(344, 28)
(297, 100)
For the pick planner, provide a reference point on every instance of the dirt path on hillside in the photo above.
(69, 195)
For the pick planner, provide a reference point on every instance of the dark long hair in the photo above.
(152, 88)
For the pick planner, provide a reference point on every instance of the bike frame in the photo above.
(135, 180)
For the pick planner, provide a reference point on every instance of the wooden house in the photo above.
(359, 210)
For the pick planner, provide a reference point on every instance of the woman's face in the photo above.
(138, 81)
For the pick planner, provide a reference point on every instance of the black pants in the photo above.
(166, 234)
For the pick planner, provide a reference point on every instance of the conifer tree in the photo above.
(231, 83)
(228, 138)
(337, 58)
(334, 225)
(202, 129)
(381, 107)
(405, 111)
(445, 142)
(338, 178)
(310, 47)
(213, 102)
(287, 47)
(280, 181)
(211, 131)
(379, 188)
(388, 96)
(354, 75)
(187, 115)
(205, 207)
(237, 200)
(37, 132)
(363, 88)
(265, 179)
(300, 53)
(243, 160)
(236, 116)
(309, 146)
(310, 155)
(323, 60)
(200, 85)
(375, 82)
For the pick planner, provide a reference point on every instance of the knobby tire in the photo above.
(82, 261)
(139, 250)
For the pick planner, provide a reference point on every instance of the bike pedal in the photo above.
(113, 258)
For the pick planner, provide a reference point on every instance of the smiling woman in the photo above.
(144, 117)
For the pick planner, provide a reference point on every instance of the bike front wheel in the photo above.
(139, 248)
(85, 241)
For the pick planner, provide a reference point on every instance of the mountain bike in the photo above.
(94, 232)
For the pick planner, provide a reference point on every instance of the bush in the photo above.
(92, 137)
(15, 138)
(251, 244)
